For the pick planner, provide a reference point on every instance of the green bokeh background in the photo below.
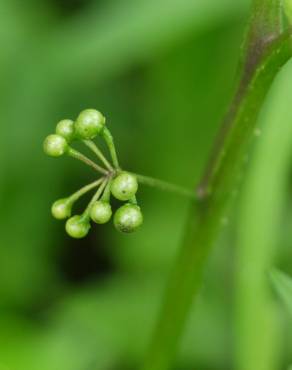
(162, 71)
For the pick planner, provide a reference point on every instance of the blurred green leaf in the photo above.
(283, 285)
(262, 207)
(104, 325)
(104, 41)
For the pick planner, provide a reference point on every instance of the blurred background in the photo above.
(162, 72)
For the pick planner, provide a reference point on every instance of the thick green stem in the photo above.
(265, 21)
(219, 183)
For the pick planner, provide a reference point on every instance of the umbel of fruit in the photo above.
(121, 184)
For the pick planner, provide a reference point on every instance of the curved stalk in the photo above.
(108, 138)
(107, 191)
(77, 155)
(96, 196)
(94, 148)
(265, 53)
(78, 194)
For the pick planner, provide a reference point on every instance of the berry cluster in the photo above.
(121, 184)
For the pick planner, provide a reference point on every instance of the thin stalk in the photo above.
(166, 186)
(78, 194)
(77, 155)
(95, 198)
(108, 138)
(219, 183)
(133, 200)
(92, 146)
(107, 192)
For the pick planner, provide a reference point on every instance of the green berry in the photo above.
(128, 218)
(65, 128)
(77, 227)
(89, 124)
(124, 186)
(55, 145)
(101, 212)
(61, 209)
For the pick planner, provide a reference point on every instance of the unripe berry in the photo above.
(128, 218)
(65, 128)
(124, 186)
(61, 209)
(55, 145)
(77, 227)
(89, 123)
(101, 212)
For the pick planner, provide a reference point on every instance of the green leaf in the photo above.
(288, 9)
(259, 229)
(283, 285)
(129, 31)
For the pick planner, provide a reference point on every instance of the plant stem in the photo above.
(106, 134)
(77, 155)
(107, 191)
(95, 198)
(165, 186)
(220, 181)
(74, 197)
(92, 146)
(133, 200)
